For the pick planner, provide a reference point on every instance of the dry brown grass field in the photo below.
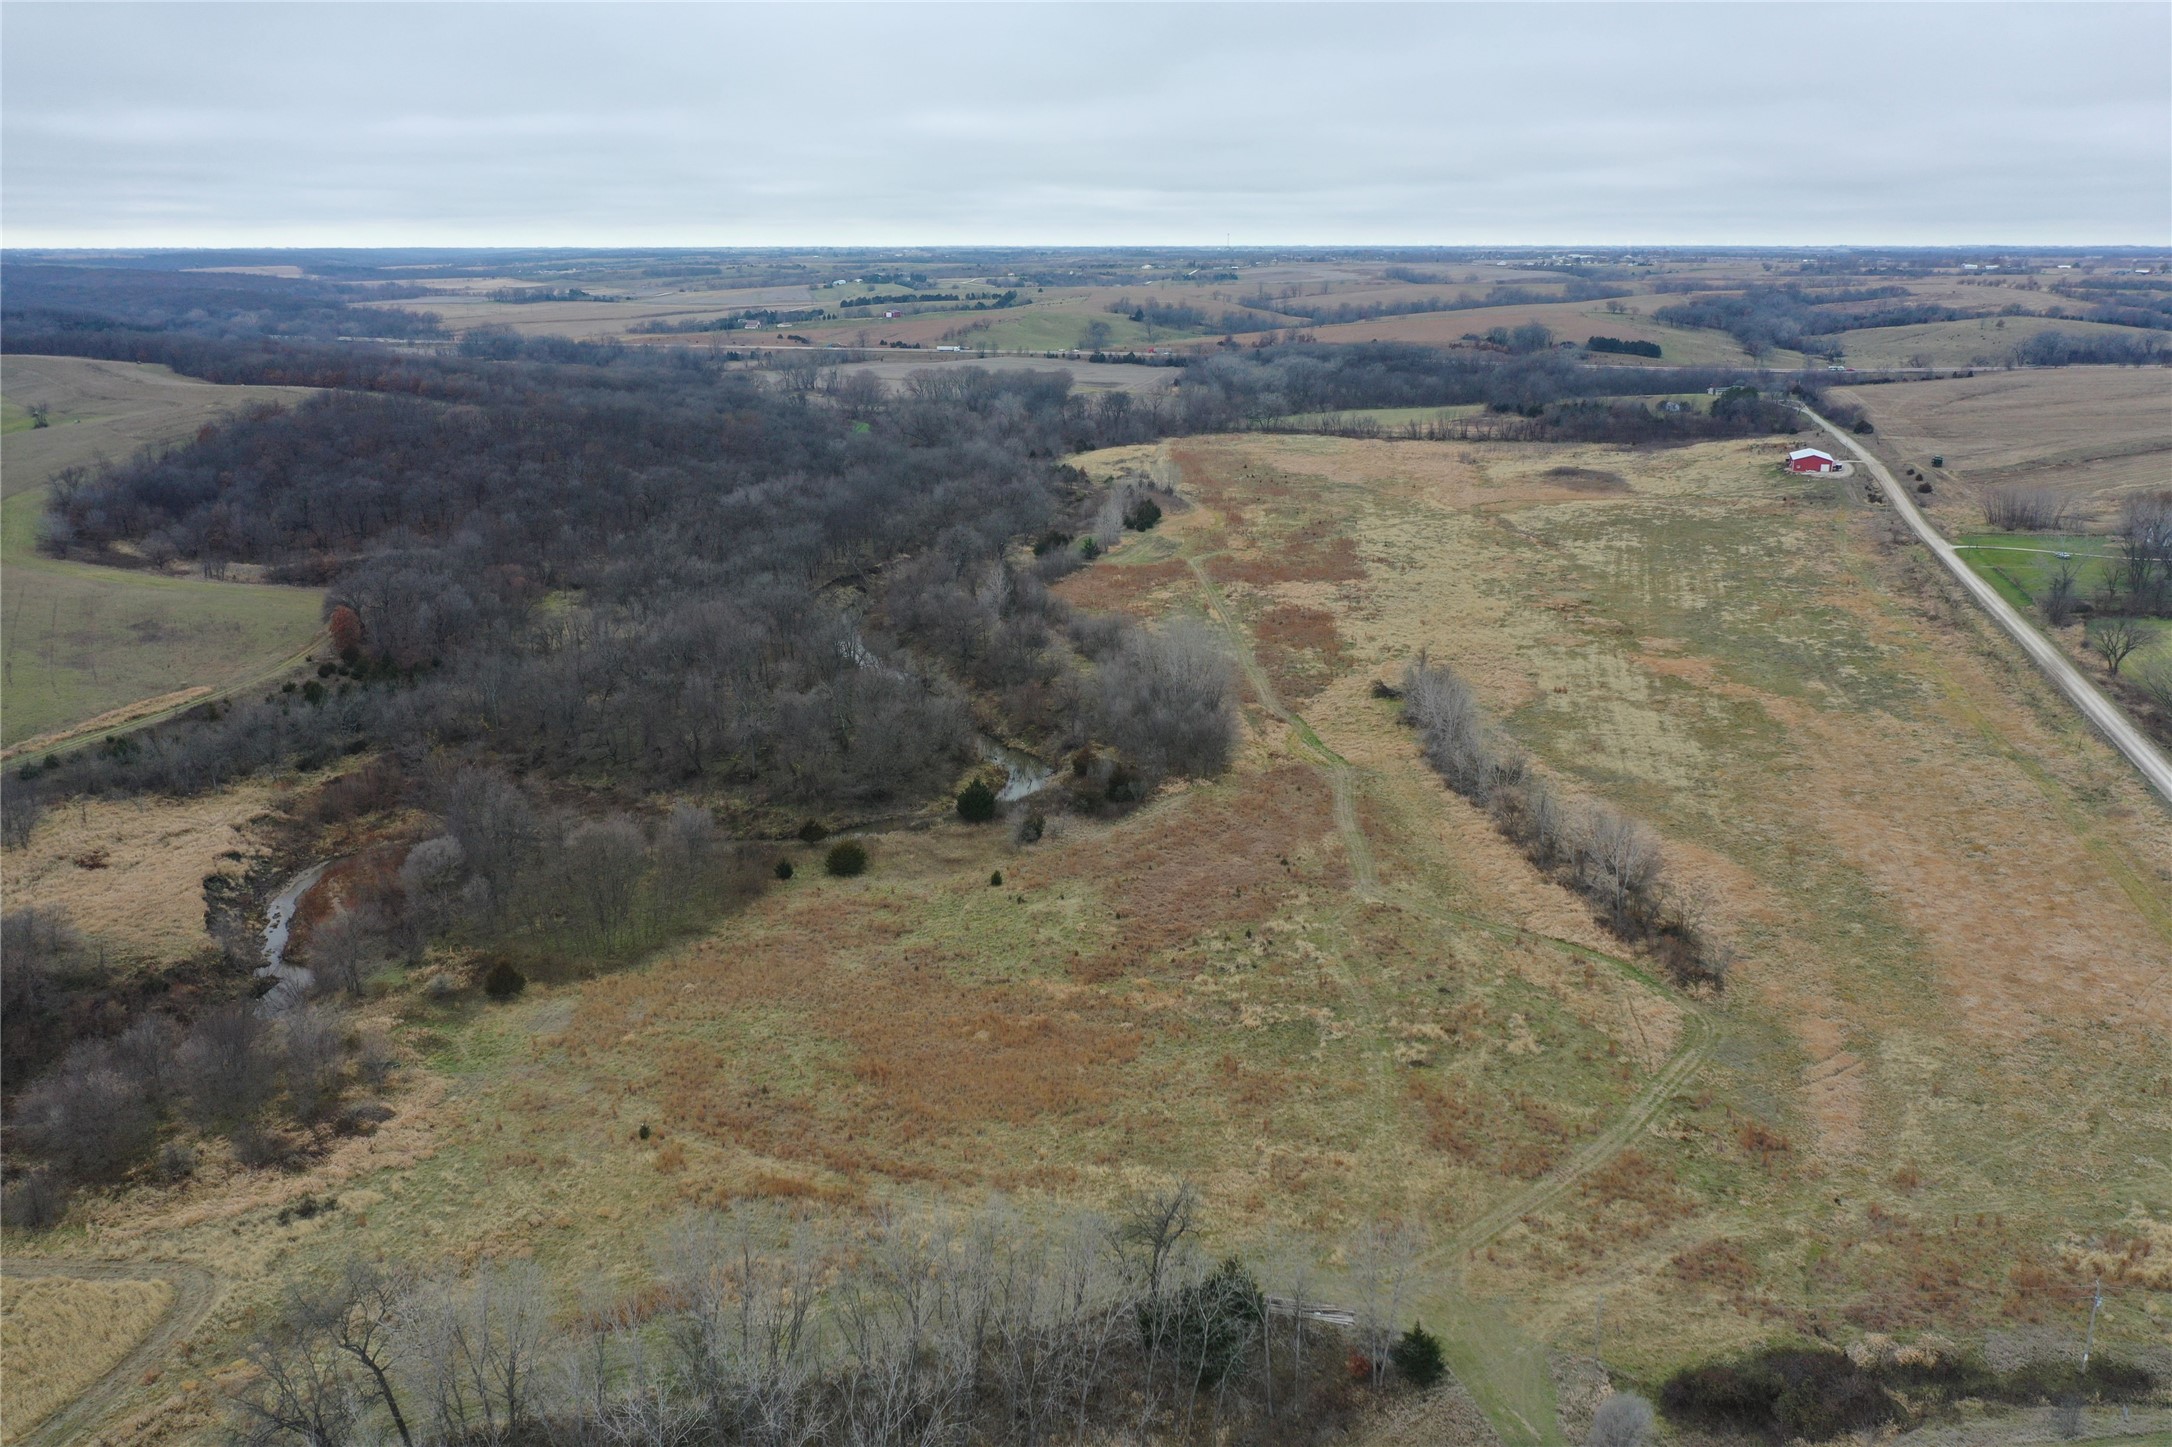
(130, 873)
(58, 1334)
(2094, 432)
(1935, 1094)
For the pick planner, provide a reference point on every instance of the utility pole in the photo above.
(2096, 1305)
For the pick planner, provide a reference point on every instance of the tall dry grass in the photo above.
(59, 1334)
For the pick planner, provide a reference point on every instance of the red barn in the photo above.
(1809, 459)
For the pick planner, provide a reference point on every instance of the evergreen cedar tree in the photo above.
(976, 803)
(1416, 1357)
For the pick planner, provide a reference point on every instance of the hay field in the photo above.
(2094, 432)
(80, 642)
(59, 1334)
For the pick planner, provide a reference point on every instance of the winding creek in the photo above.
(1024, 775)
(290, 983)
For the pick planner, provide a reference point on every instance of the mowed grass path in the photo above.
(79, 642)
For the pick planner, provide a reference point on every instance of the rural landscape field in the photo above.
(1113, 725)
(1860, 1044)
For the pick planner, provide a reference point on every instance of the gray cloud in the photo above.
(845, 124)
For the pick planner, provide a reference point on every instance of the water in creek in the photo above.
(290, 983)
(1023, 774)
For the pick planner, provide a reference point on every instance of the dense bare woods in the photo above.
(759, 1328)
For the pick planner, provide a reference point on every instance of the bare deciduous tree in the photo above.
(479, 1346)
(314, 1057)
(345, 948)
(2114, 639)
(226, 1066)
(1168, 701)
(2027, 509)
(603, 862)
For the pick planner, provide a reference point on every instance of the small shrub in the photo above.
(1144, 514)
(1623, 1420)
(501, 981)
(176, 1161)
(812, 832)
(1810, 1392)
(1416, 1357)
(1863, 425)
(846, 859)
(1089, 550)
(976, 803)
(995, 880)
(1030, 828)
(254, 1146)
(784, 869)
(33, 1201)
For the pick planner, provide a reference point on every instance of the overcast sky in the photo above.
(327, 124)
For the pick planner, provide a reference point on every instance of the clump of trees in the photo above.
(2028, 509)
(1629, 348)
(1765, 318)
(756, 1327)
(235, 1070)
(1816, 1393)
(1168, 701)
(1610, 859)
(2073, 349)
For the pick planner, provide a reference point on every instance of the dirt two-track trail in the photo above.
(195, 1291)
(1506, 1372)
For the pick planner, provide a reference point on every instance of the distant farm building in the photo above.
(1809, 459)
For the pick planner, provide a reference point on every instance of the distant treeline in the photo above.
(523, 295)
(1765, 318)
(1005, 298)
(1270, 313)
(43, 299)
(737, 321)
(2128, 301)
(2065, 349)
(1628, 348)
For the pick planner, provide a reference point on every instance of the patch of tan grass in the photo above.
(59, 1334)
(147, 903)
